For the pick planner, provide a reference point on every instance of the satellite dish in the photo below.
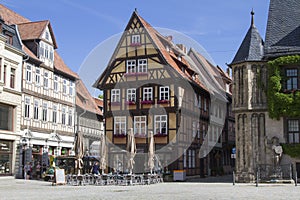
(278, 149)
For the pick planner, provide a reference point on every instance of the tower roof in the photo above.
(283, 28)
(251, 48)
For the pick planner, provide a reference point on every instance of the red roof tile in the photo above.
(99, 102)
(60, 65)
(11, 17)
(84, 99)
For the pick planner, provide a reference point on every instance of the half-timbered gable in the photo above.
(148, 86)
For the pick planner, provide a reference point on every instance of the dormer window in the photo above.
(135, 40)
(179, 58)
(46, 51)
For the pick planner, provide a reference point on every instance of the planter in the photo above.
(163, 102)
(147, 102)
(120, 135)
(130, 102)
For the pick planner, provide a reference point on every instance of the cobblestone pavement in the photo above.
(29, 189)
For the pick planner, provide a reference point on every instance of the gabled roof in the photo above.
(60, 66)
(99, 102)
(251, 48)
(35, 30)
(84, 99)
(11, 17)
(169, 57)
(283, 28)
(14, 18)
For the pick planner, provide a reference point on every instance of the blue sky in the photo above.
(79, 26)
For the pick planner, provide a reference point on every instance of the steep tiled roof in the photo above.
(33, 30)
(283, 28)
(99, 102)
(84, 99)
(11, 17)
(251, 48)
(60, 65)
(169, 57)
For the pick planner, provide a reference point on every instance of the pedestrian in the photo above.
(38, 170)
(27, 171)
(95, 168)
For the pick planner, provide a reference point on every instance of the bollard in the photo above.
(296, 178)
(233, 178)
(257, 178)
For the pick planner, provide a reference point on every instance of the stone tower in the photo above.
(249, 104)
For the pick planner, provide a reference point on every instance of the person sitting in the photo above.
(95, 168)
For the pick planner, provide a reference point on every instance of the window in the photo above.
(12, 77)
(160, 124)
(184, 159)
(37, 76)
(190, 158)
(4, 74)
(119, 125)
(140, 125)
(47, 35)
(70, 118)
(41, 50)
(135, 39)
(28, 73)
(46, 80)
(142, 65)
(115, 95)
(131, 94)
(292, 79)
(131, 66)
(293, 130)
(54, 114)
(51, 57)
(64, 86)
(204, 105)
(194, 129)
(193, 158)
(36, 110)
(71, 88)
(45, 109)
(55, 83)
(27, 107)
(199, 102)
(6, 117)
(147, 94)
(63, 116)
(46, 51)
(164, 93)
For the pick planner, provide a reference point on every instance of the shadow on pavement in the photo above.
(210, 179)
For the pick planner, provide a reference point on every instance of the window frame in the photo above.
(36, 109)
(115, 96)
(293, 132)
(45, 112)
(164, 93)
(12, 78)
(291, 78)
(121, 122)
(158, 121)
(131, 66)
(63, 116)
(54, 113)
(148, 92)
(7, 117)
(131, 95)
(27, 107)
(140, 125)
(56, 83)
(142, 66)
(28, 76)
(46, 80)
(37, 76)
(136, 39)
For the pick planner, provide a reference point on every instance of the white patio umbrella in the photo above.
(103, 153)
(79, 151)
(131, 150)
(151, 152)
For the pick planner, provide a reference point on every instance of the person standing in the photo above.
(27, 171)
(38, 170)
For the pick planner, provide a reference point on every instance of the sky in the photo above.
(80, 26)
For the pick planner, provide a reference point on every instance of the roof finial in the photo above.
(252, 17)
(135, 10)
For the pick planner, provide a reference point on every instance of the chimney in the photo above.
(182, 47)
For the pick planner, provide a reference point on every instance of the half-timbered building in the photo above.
(148, 86)
(48, 94)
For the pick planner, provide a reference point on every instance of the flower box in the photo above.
(114, 103)
(130, 102)
(163, 102)
(123, 135)
(147, 102)
(137, 44)
(160, 135)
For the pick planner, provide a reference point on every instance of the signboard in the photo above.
(233, 151)
(60, 176)
(233, 156)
